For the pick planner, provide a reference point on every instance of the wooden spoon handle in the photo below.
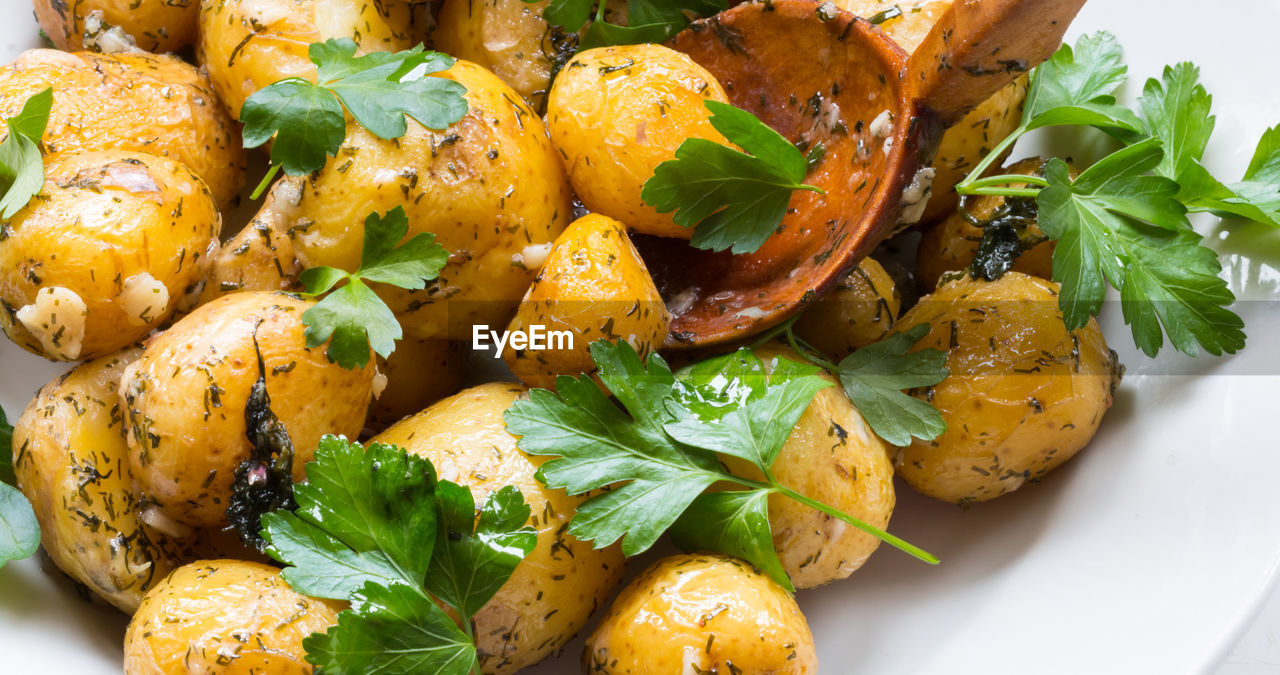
(979, 46)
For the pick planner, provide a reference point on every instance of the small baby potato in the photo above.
(159, 105)
(230, 617)
(616, 113)
(123, 237)
(593, 286)
(185, 399)
(554, 590)
(704, 614)
(952, 244)
(417, 374)
(509, 37)
(1024, 395)
(860, 310)
(109, 25)
(249, 44)
(260, 257)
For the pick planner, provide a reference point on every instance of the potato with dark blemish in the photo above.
(159, 105)
(185, 398)
(150, 25)
(593, 286)
(616, 113)
(1024, 394)
(554, 590)
(858, 312)
(702, 614)
(114, 243)
(229, 617)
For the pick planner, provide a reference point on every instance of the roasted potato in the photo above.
(704, 614)
(417, 374)
(227, 617)
(554, 590)
(114, 243)
(593, 286)
(249, 44)
(184, 400)
(109, 25)
(260, 257)
(159, 105)
(860, 310)
(616, 113)
(509, 37)
(952, 244)
(1024, 394)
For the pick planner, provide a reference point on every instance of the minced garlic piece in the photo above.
(143, 299)
(57, 319)
(100, 36)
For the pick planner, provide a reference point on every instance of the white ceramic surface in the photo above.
(1149, 553)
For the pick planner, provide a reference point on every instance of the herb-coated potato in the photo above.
(159, 105)
(489, 187)
(952, 244)
(260, 257)
(152, 25)
(859, 311)
(616, 113)
(509, 37)
(417, 374)
(594, 286)
(129, 235)
(554, 590)
(185, 399)
(249, 44)
(1024, 394)
(703, 614)
(229, 617)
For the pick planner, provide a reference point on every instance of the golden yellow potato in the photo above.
(952, 244)
(509, 37)
(593, 286)
(417, 374)
(249, 44)
(260, 257)
(705, 614)
(151, 25)
(616, 113)
(554, 590)
(229, 617)
(490, 187)
(184, 399)
(124, 237)
(860, 310)
(159, 105)
(1024, 395)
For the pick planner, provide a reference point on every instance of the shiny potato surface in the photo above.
(554, 590)
(249, 44)
(616, 113)
(224, 617)
(260, 257)
(185, 399)
(858, 312)
(593, 286)
(129, 235)
(1024, 394)
(151, 25)
(509, 37)
(159, 105)
(704, 614)
(417, 374)
(489, 187)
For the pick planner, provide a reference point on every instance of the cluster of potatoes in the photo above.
(122, 263)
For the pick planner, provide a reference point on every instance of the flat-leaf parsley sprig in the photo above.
(647, 20)
(379, 89)
(19, 529)
(660, 451)
(21, 164)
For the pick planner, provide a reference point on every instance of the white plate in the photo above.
(1146, 554)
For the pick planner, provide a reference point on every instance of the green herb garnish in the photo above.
(648, 20)
(21, 165)
(19, 530)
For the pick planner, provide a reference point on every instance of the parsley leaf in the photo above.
(647, 20)
(733, 522)
(21, 165)
(1077, 86)
(735, 199)
(6, 451)
(1177, 110)
(874, 377)
(19, 530)
(353, 318)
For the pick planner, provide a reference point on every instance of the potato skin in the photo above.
(858, 312)
(595, 286)
(185, 399)
(101, 220)
(418, 373)
(489, 187)
(260, 257)
(711, 613)
(139, 102)
(1024, 394)
(616, 113)
(509, 37)
(555, 589)
(249, 44)
(154, 25)
(229, 617)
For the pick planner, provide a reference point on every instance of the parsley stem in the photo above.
(765, 337)
(872, 530)
(266, 180)
(991, 157)
(1003, 191)
(1006, 179)
(809, 353)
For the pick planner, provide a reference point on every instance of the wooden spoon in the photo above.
(819, 75)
